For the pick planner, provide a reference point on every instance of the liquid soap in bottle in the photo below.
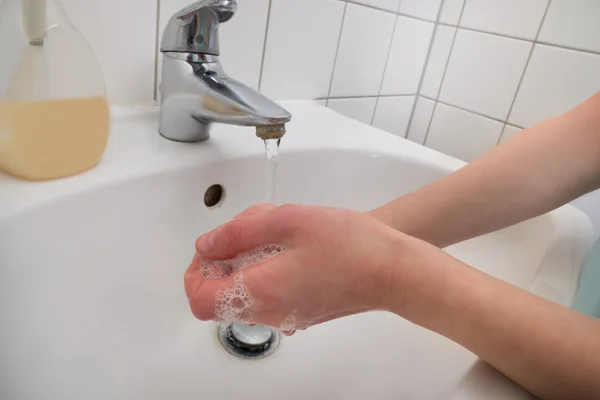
(54, 115)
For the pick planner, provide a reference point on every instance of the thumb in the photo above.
(243, 234)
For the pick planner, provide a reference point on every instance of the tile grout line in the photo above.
(355, 2)
(477, 30)
(560, 46)
(565, 47)
(417, 18)
(264, 49)
(372, 7)
(387, 60)
(514, 100)
(156, 50)
(469, 111)
(425, 64)
(364, 97)
(437, 97)
(337, 49)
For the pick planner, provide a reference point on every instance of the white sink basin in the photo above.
(91, 295)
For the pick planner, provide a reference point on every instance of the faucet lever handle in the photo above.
(195, 28)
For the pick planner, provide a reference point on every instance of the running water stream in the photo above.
(271, 159)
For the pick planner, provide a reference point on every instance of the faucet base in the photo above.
(186, 140)
(182, 127)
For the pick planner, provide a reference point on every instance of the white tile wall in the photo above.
(363, 51)
(306, 51)
(519, 18)
(242, 41)
(407, 56)
(573, 23)
(461, 133)
(421, 118)
(426, 9)
(392, 114)
(361, 109)
(438, 60)
(556, 81)
(451, 11)
(482, 64)
(517, 83)
(125, 52)
(390, 5)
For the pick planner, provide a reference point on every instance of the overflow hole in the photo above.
(213, 195)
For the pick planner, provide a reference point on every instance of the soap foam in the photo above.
(217, 269)
(232, 304)
(288, 324)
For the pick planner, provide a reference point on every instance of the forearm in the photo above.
(550, 350)
(536, 171)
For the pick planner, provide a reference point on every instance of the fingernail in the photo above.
(205, 243)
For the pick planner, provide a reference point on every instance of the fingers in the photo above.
(201, 292)
(257, 228)
(255, 209)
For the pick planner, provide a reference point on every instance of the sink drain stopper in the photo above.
(246, 342)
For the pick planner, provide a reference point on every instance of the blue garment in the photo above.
(588, 296)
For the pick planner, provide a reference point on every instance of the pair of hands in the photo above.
(336, 262)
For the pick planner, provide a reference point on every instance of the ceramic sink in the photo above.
(91, 271)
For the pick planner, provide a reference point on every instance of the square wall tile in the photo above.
(391, 5)
(361, 109)
(393, 114)
(573, 23)
(519, 18)
(462, 134)
(407, 56)
(556, 80)
(484, 72)
(128, 69)
(509, 131)
(242, 41)
(421, 118)
(426, 9)
(366, 35)
(300, 55)
(451, 11)
(440, 52)
(241, 38)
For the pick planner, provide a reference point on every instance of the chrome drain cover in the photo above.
(248, 342)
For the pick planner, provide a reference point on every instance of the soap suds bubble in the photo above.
(288, 324)
(232, 304)
(216, 269)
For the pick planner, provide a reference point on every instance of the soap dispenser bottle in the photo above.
(54, 115)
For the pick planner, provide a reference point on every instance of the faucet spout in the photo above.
(196, 91)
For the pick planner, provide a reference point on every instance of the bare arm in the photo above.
(534, 172)
(552, 351)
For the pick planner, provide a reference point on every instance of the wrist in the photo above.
(407, 256)
(383, 215)
(416, 282)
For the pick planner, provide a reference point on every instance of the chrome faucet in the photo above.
(196, 91)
